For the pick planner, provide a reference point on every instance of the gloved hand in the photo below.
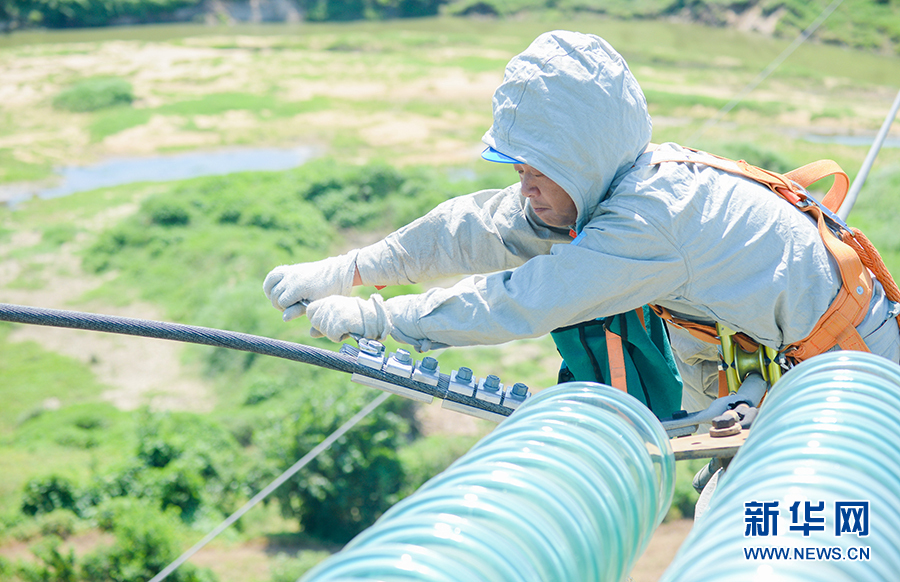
(291, 287)
(337, 318)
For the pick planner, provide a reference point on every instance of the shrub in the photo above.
(79, 13)
(93, 94)
(166, 211)
(180, 485)
(753, 154)
(426, 457)
(685, 496)
(355, 196)
(52, 564)
(45, 494)
(146, 541)
(347, 487)
(61, 523)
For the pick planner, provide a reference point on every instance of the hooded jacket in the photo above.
(707, 245)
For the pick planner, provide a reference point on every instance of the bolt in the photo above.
(403, 356)
(464, 375)
(429, 364)
(726, 419)
(519, 390)
(492, 383)
(367, 348)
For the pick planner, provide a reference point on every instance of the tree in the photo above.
(347, 487)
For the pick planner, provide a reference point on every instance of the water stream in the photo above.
(852, 140)
(118, 171)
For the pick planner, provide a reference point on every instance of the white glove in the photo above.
(291, 288)
(338, 318)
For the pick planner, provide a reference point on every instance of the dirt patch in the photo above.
(753, 19)
(80, 543)
(248, 561)
(139, 371)
(162, 131)
(421, 139)
(664, 544)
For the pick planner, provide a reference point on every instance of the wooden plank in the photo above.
(706, 447)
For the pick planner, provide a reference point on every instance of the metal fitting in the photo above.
(515, 395)
(428, 371)
(392, 388)
(400, 364)
(490, 390)
(461, 382)
(371, 354)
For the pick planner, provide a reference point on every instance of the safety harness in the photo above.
(855, 255)
(595, 350)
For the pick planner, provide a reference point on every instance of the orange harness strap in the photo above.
(838, 324)
(854, 254)
(616, 356)
(811, 173)
(615, 352)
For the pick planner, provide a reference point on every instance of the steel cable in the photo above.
(344, 361)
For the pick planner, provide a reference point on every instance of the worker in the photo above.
(600, 223)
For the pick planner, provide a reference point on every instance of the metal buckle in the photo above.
(836, 220)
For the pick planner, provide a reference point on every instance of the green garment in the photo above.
(650, 371)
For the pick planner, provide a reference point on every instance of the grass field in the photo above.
(411, 94)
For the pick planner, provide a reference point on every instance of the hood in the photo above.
(570, 107)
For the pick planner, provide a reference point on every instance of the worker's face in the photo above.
(549, 201)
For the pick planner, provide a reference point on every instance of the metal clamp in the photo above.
(515, 395)
(750, 393)
(400, 364)
(371, 354)
(427, 371)
(462, 382)
(490, 389)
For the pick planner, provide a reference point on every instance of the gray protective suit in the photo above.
(707, 245)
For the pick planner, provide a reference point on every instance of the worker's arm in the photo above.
(482, 232)
(487, 231)
(572, 284)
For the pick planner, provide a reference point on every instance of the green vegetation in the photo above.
(79, 13)
(116, 119)
(15, 170)
(215, 237)
(234, 228)
(865, 24)
(145, 542)
(869, 215)
(68, 13)
(94, 94)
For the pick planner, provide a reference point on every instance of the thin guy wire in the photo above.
(766, 72)
(273, 486)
